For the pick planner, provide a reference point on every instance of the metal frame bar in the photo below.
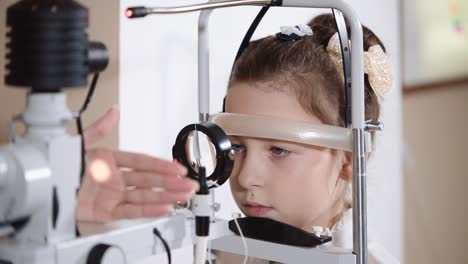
(210, 5)
(357, 104)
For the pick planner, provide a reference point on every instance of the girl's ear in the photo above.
(347, 169)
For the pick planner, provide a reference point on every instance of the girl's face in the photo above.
(293, 183)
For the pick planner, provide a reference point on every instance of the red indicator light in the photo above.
(129, 13)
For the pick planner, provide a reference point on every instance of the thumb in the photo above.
(102, 127)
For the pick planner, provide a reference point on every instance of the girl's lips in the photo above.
(257, 209)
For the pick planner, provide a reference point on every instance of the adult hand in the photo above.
(121, 184)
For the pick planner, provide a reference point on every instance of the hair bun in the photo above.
(325, 26)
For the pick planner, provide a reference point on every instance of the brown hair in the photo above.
(305, 67)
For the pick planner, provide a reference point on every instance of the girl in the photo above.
(302, 80)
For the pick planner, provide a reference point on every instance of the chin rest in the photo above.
(276, 232)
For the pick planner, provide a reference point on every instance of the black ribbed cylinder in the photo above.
(47, 45)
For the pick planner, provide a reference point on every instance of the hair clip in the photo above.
(288, 33)
(377, 66)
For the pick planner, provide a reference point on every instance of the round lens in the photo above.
(200, 152)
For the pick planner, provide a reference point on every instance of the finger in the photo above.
(149, 180)
(102, 127)
(105, 202)
(142, 162)
(91, 211)
(127, 210)
(102, 216)
(144, 196)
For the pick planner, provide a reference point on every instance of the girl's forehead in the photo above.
(248, 99)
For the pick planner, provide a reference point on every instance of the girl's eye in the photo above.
(279, 152)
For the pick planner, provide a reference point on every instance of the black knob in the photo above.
(97, 254)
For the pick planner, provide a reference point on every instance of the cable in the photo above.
(165, 244)
(346, 57)
(90, 92)
(246, 250)
(246, 40)
(251, 30)
(79, 123)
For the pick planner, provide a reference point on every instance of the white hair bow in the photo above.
(300, 30)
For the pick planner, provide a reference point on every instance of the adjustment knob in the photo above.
(105, 253)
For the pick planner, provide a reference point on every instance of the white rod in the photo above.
(203, 65)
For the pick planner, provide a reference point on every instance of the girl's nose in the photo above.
(250, 172)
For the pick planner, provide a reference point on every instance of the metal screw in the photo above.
(216, 207)
(374, 126)
(232, 154)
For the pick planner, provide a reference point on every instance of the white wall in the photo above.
(158, 90)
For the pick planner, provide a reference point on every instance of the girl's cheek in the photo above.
(233, 181)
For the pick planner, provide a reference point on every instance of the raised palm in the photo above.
(121, 184)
